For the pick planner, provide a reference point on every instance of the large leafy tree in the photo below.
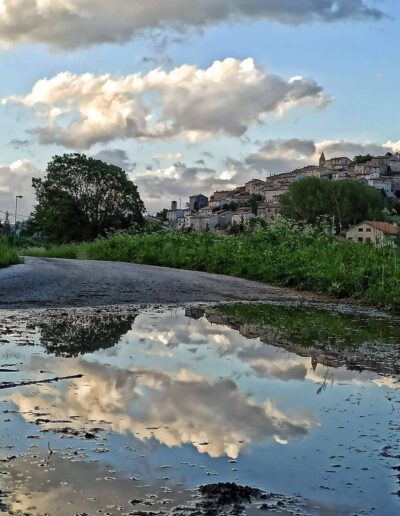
(348, 202)
(82, 198)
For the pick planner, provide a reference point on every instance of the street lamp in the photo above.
(15, 218)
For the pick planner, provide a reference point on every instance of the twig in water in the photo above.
(11, 385)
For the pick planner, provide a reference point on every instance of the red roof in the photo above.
(385, 227)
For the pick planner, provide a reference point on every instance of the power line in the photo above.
(19, 216)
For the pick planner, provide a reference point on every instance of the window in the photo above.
(360, 239)
(360, 230)
(368, 230)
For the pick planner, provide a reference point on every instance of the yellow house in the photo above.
(373, 232)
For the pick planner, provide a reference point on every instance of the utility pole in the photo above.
(15, 218)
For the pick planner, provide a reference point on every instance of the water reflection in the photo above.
(172, 408)
(229, 391)
(331, 338)
(77, 332)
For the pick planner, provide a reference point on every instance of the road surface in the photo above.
(48, 282)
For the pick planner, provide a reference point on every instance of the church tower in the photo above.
(322, 159)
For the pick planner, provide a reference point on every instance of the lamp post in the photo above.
(15, 218)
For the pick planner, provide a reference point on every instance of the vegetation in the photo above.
(362, 158)
(312, 327)
(71, 334)
(7, 254)
(255, 202)
(348, 202)
(285, 253)
(83, 198)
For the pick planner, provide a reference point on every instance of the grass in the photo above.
(284, 254)
(7, 255)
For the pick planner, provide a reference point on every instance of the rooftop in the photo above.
(385, 227)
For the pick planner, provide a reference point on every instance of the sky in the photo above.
(191, 97)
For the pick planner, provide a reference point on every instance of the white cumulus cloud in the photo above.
(189, 102)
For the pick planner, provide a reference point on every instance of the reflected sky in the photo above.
(162, 390)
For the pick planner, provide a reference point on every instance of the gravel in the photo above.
(49, 282)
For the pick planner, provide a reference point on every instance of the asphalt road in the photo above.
(46, 282)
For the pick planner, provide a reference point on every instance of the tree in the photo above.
(83, 198)
(162, 215)
(232, 206)
(255, 202)
(362, 158)
(6, 224)
(348, 202)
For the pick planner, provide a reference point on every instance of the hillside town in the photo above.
(224, 210)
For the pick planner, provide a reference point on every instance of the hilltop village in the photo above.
(224, 210)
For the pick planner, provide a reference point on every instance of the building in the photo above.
(340, 175)
(242, 216)
(221, 220)
(242, 197)
(218, 204)
(338, 163)
(207, 210)
(197, 222)
(394, 165)
(197, 201)
(224, 194)
(254, 186)
(366, 169)
(268, 211)
(374, 232)
(271, 194)
(174, 215)
(382, 184)
(381, 160)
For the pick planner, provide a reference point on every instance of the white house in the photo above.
(373, 232)
(381, 184)
(242, 216)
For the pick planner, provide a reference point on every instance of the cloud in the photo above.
(161, 185)
(282, 155)
(344, 148)
(16, 179)
(168, 156)
(186, 102)
(276, 156)
(66, 24)
(116, 157)
(20, 144)
(180, 408)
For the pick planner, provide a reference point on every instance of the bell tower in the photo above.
(322, 159)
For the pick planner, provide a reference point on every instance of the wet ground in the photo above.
(232, 409)
(49, 282)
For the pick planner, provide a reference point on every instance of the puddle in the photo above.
(236, 409)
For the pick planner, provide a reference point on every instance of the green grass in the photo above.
(284, 254)
(71, 251)
(7, 256)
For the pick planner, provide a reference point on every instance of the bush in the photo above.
(7, 255)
